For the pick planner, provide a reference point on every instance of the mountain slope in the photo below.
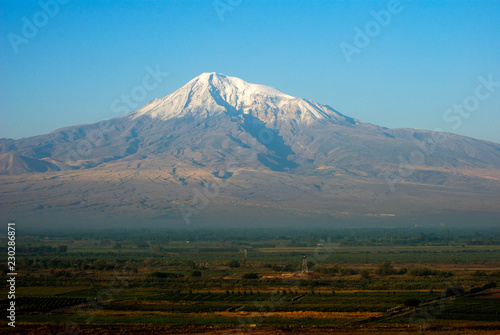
(262, 149)
(12, 164)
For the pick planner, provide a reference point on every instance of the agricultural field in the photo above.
(378, 281)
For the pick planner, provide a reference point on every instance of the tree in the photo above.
(196, 273)
(365, 274)
(454, 291)
(234, 264)
(100, 264)
(420, 271)
(385, 269)
(413, 302)
(250, 275)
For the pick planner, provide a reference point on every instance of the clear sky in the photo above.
(66, 64)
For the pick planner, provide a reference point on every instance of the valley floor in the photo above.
(37, 329)
(202, 282)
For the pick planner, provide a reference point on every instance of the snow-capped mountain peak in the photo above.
(232, 85)
(213, 93)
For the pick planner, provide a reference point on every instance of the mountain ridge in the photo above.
(271, 150)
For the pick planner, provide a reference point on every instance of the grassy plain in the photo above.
(376, 281)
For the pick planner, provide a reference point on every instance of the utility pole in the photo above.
(304, 265)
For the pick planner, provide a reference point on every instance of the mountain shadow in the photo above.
(272, 140)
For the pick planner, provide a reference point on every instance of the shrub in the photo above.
(347, 271)
(479, 273)
(234, 264)
(163, 275)
(420, 271)
(413, 302)
(98, 265)
(475, 290)
(385, 269)
(454, 291)
(196, 273)
(250, 275)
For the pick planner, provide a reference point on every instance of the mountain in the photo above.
(220, 150)
(12, 164)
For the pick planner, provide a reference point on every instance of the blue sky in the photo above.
(84, 55)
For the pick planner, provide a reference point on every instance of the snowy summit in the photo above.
(213, 93)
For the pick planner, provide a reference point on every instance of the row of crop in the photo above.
(42, 304)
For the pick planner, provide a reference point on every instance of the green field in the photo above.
(231, 278)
